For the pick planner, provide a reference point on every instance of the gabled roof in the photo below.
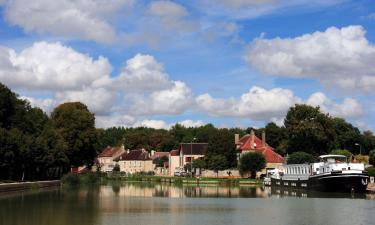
(193, 148)
(268, 152)
(108, 152)
(139, 155)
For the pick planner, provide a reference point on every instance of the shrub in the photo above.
(252, 162)
(300, 157)
(372, 157)
(371, 171)
(343, 152)
(71, 179)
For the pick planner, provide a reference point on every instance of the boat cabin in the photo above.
(335, 163)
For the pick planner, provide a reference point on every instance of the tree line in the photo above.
(34, 145)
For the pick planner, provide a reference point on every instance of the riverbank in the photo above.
(21, 186)
(188, 180)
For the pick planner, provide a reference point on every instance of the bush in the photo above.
(343, 152)
(300, 157)
(71, 179)
(74, 179)
(372, 157)
(371, 172)
(361, 159)
(252, 162)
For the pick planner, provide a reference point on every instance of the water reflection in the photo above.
(162, 204)
(214, 191)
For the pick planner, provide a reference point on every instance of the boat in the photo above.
(333, 173)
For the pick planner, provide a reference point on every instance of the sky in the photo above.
(232, 63)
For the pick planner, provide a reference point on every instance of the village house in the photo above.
(186, 153)
(160, 161)
(135, 161)
(251, 143)
(104, 161)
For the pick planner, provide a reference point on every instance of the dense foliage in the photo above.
(300, 157)
(36, 146)
(252, 162)
(372, 157)
(32, 146)
(342, 152)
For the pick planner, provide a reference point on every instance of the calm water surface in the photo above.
(155, 204)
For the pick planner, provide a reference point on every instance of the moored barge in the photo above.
(333, 173)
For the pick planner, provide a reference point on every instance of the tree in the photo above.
(372, 157)
(342, 152)
(76, 124)
(309, 129)
(199, 164)
(252, 162)
(116, 168)
(300, 157)
(367, 142)
(160, 161)
(222, 143)
(346, 135)
(216, 163)
(274, 134)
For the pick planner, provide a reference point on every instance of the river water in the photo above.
(158, 204)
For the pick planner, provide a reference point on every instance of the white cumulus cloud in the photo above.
(79, 18)
(257, 104)
(337, 57)
(347, 109)
(50, 66)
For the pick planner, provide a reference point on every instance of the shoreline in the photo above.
(22, 186)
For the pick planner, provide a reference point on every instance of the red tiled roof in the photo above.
(159, 155)
(268, 152)
(108, 152)
(135, 155)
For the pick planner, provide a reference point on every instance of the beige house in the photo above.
(187, 153)
(135, 161)
(105, 158)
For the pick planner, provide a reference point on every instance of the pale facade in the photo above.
(135, 161)
(187, 153)
(105, 160)
(135, 166)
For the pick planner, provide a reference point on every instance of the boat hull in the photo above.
(328, 183)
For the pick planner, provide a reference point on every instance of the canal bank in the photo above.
(21, 186)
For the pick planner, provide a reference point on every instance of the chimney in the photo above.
(263, 139)
(122, 147)
(236, 139)
(252, 138)
(127, 151)
(152, 152)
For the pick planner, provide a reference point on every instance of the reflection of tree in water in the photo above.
(58, 207)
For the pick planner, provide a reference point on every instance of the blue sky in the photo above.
(157, 63)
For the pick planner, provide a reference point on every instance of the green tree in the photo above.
(300, 157)
(367, 142)
(309, 129)
(159, 162)
(346, 135)
(222, 144)
(344, 152)
(216, 163)
(76, 124)
(252, 162)
(372, 157)
(199, 164)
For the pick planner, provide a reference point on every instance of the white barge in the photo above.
(333, 174)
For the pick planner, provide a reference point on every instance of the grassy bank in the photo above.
(95, 178)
